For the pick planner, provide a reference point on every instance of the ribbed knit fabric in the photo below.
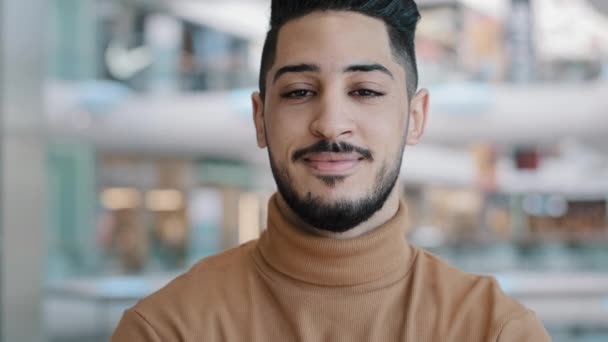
(292, 286)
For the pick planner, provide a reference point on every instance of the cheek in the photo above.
(384, 133)
(286, 133)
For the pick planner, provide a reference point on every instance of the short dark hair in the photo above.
(400, 17)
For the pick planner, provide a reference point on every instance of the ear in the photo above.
(419, 108)
(258, 118)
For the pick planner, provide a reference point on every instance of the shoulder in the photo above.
(525, 327)
(443, 277)
(202, 289)
(471, 297)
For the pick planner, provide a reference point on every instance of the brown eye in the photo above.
(365, 93)
(300, 93)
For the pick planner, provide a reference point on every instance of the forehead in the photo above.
(333, 39)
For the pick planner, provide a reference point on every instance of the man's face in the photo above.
(335, 117)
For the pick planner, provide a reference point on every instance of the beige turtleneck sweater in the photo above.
(293, 286)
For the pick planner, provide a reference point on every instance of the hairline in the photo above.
(406, 61)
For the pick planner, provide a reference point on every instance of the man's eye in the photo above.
(365, 93)
(298, 94)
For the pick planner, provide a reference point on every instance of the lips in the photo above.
(332, 163)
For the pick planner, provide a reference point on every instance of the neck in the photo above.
(388, 211)
(379, 257)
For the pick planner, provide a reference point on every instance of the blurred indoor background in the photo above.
(128, 153)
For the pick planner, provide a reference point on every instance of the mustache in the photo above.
(332, 146)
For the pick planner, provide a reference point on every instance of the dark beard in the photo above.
(342, 215)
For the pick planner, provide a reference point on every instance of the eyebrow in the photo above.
(304, 67)
(368, 68)
(295, 68)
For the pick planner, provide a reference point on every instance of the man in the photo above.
(336, 107)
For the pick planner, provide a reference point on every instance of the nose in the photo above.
(332, 120)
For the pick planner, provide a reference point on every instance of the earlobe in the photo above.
(258, 119)
(418, 116)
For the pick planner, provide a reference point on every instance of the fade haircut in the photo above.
(400, 17)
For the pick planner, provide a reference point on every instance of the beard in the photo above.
(343, 214)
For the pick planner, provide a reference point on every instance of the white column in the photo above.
(22, 169)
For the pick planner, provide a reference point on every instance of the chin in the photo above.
(329, 195)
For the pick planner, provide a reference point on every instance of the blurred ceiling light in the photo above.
(125, 63)
(120, 198)
(226, 16)
(533, 204)
(164, 200)
(542, 206)
(559, 37)
(249, 217)
(495, 8)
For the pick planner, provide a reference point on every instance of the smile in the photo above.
(327, 163)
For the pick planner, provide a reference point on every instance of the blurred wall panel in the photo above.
(71, 39)
(23, 168)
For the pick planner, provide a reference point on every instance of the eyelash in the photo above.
(370, 93)
(294, 94)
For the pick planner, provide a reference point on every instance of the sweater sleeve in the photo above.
(134, 328)
(524, 328)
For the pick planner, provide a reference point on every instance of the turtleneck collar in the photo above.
(382, 252)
